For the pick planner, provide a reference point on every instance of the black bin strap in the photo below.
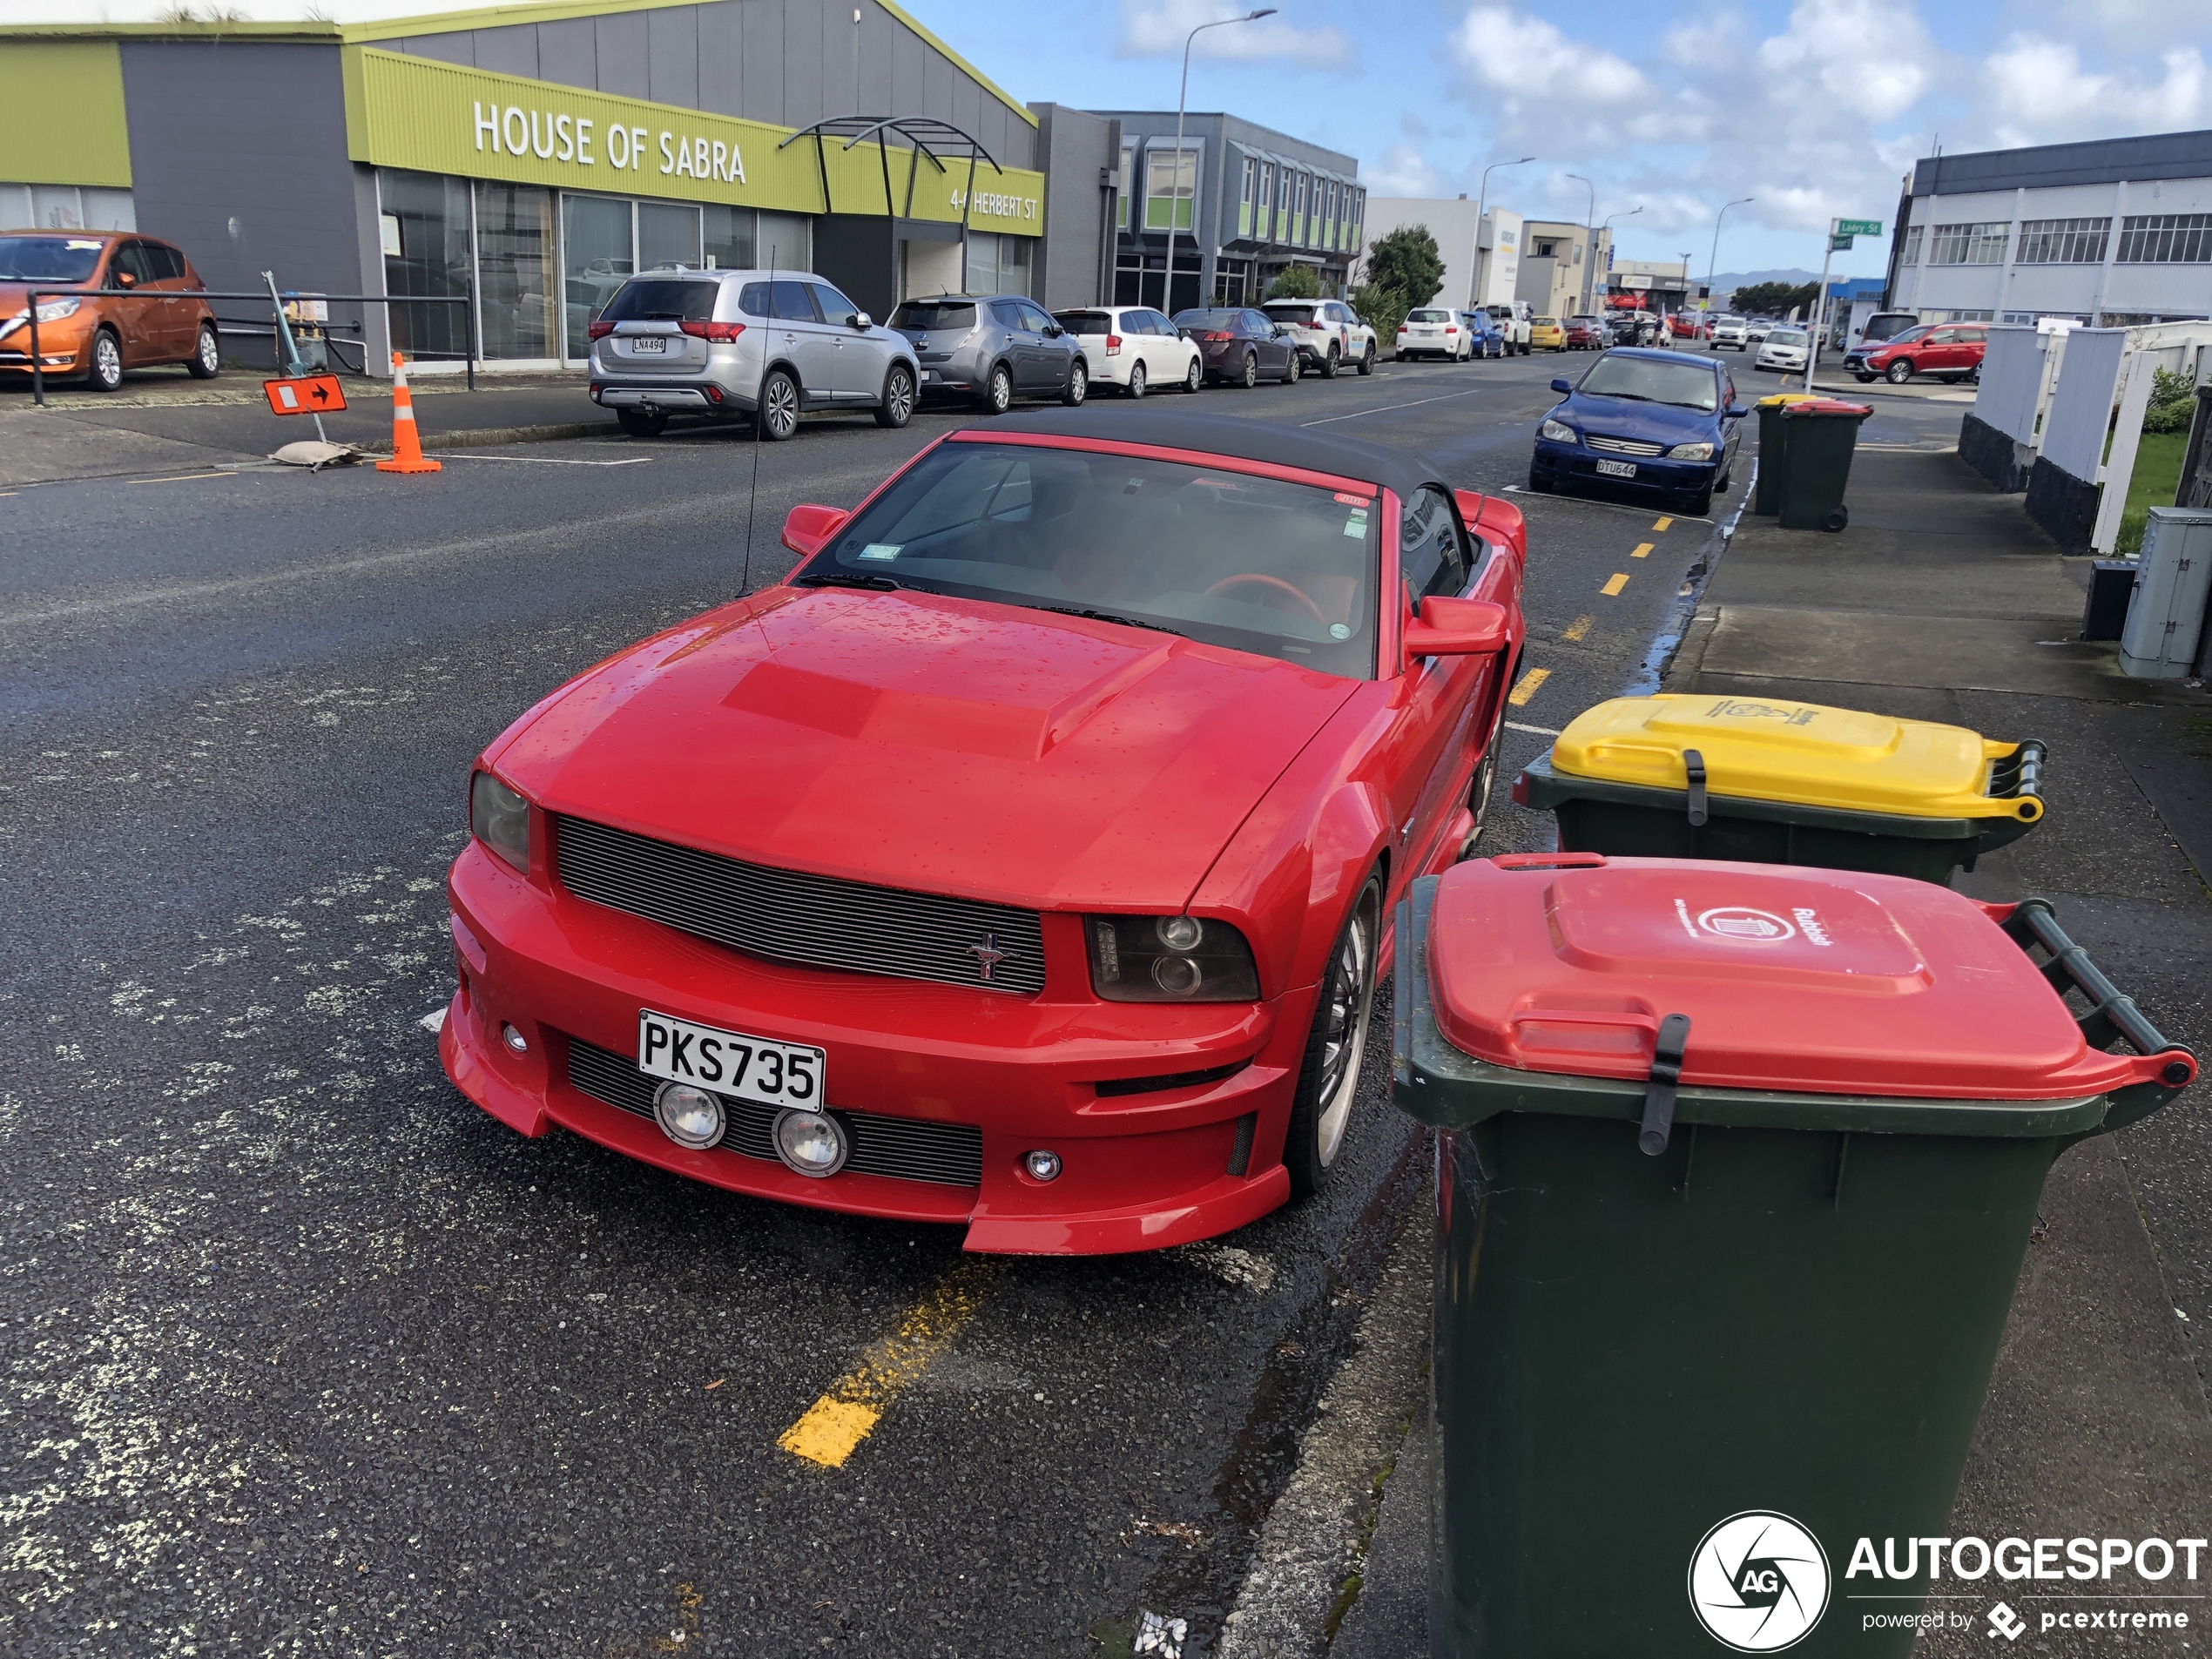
(1659, 1093)
(1693, 764)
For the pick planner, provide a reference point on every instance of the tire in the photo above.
(1721, 484)
(1251, 371)
(1329, 1078)
(1194, 378)
(998, 391)
(1538, 483)
(897, 405)
(1334, 362)
(640, 423)
(1486, 772)
(1900, 372)
(1135, 387)
(1078, 384)
(1699, 504)
(206, 359)
(1863, 377)
(777, 419)
(103, 373)
(1368, 358)
(1294, 371)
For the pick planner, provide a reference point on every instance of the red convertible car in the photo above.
(1026, 857)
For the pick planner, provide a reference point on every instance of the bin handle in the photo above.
(2019, 776)
(1659, 1091)
(1550, 860)
(1694, 763)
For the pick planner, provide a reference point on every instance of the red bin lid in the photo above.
(1826, 406)
(1795, 980)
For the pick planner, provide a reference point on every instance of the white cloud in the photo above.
(1523, 57)
(2039, 92)
(1872, 58)
(1159, 28)
(1403, 170)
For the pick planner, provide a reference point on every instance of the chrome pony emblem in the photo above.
(987, 955)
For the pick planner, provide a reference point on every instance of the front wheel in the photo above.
(1195, 376)
(206, 359)
(1078, 384)
(1329, 1078)
(1863, 377)
(1251, 370)
(105, 372)
(1900, 371)
(1699, 504)
(1368, 358)
(1135, 380)
(1538, 483)
(778, 419)
(897, 405)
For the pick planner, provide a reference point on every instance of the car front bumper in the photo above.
(1575, 463)
(1140, 1172)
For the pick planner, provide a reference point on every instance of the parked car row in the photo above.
(162, 320)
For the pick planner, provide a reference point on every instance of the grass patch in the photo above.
(2157, 476)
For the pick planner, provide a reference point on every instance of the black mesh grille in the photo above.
(795, 918)
(906, 1148)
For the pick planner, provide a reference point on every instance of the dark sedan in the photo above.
(1243, 347)
(1647, 422)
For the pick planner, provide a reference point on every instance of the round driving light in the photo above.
(810, 1143)
(514, 1039)
(1041, 1166)
(689, 1116)
(1179, 932)
(1178, 975)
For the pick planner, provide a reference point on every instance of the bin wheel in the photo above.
(1838, 517)
(1329, 1078)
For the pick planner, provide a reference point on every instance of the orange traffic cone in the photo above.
(406, 448)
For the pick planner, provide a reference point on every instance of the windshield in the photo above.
(1427, 315)
(1255, 564)
(1207, 319)
(1084, 322)
(1291, 314)
(1547, 322)
(49, 259)
(1689, 386)
(1786, 337)
(650, 300)
(1888, 327)
(935, 314)
(1912, 334)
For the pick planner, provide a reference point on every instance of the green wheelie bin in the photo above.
(1736, 1169)
(1818, 438)
(1767, 499)
(1768, 782)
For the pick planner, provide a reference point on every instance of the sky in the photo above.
(1811, 108)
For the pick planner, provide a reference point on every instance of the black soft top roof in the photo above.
(1227, 436)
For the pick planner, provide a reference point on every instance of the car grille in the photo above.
(819, 920)
(1624, 446)
(905, 1149)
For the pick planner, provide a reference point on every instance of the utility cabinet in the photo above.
(2175, 575)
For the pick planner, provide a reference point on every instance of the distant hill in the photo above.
(1729, 281)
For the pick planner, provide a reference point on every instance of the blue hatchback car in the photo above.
(1647, 422)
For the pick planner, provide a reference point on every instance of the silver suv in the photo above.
(727, 343)
(993, 349)
(1329, 336)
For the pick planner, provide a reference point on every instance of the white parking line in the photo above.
(1534, 730)
(1386, 408)
(549, 461)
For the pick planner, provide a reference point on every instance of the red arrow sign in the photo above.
(315, 394)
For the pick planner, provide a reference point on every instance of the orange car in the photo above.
(162, 320)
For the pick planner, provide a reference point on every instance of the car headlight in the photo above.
(1170, 959)
(1557, 433)
(501, 819)
(1691, 452)
(49, 311)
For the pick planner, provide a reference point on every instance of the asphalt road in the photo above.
(304, 1352)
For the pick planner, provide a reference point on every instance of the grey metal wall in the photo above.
(789, 62)
(1075, 262)
(238, 156)
(2099, 161)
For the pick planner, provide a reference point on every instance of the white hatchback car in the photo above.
(1134, 347)
(1731, 332)
(1431, 331)
(1785, 350)
(1329, 337)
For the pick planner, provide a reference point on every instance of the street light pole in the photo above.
(1481, 206)
(1167, 294)
(1713, 261)
(1590, 239)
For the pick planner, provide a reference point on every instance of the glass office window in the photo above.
(515, 286)
(2166, 238)
(1249, 196)
(668, 233)
(1981, 244)
(1170, 185)
(595, 259)
(726, 237)
(2064, 241)
(1129, 180)
(784, 242)
(425, 238)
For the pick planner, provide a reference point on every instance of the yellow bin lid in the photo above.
(1788, 397)
(1805, 753)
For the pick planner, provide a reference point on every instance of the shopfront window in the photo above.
(425, 238)
(595, 259)
(725, 235)
(1170, 185)
(784, 242)
(515, 288)
(668, 233)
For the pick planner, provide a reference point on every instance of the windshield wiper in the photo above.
(848, 579)
(1632, 397)
(1108, 616)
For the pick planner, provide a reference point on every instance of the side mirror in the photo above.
(1448, 627)
(862, 320)
(1736, 411)
(1053, 331)
(1183, 334)
(1562, 384)
(124, 279)
(808, 529)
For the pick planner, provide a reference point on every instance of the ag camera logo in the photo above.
(1759, 1582)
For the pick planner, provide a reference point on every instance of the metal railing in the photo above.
(466, 299)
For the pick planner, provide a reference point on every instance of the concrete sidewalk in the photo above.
(1942, 601)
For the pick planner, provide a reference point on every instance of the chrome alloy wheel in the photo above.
(1347, 1003)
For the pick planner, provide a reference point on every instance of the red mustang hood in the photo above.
(919, 741)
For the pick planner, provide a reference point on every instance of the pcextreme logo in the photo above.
(1758, 1581)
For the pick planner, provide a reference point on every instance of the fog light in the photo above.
(1041, 1166)
(514, 1039)
(1178, 975)
(689, 1116)
(810, 1143)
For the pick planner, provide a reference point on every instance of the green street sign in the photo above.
(1837, 244)
(1859, 227)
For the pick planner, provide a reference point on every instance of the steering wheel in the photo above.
(1276, 584)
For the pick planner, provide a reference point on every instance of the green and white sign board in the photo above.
(1848, 227)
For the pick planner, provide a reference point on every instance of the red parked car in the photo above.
(1949, 351)
(1585, 334)
(1026, 857)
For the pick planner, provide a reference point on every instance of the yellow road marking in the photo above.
(1662, 525)
(833, 1426)
(1579, 626)
(1527, 686)
(1613, 588)
(1643, 550)
(184, 478)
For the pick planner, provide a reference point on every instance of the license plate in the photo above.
(1617, 468)
(730, 1063)
(649, 345)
